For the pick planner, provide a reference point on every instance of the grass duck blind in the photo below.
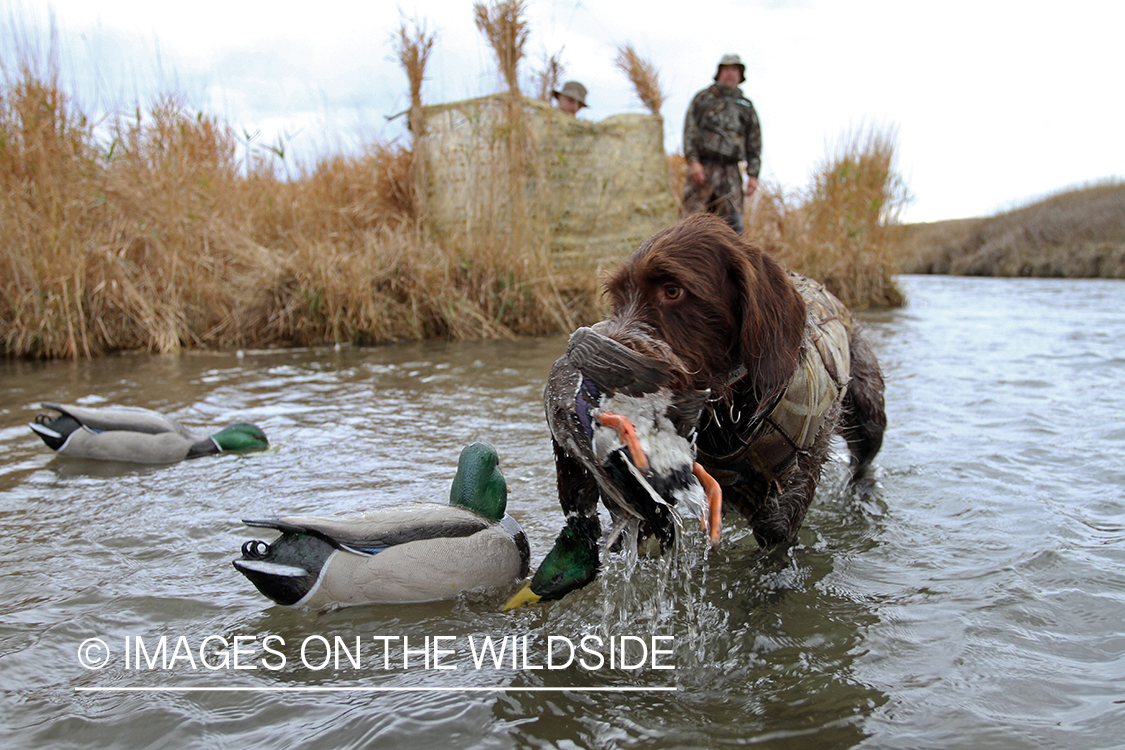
(499, 170)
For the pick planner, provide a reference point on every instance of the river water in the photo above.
(977, 601)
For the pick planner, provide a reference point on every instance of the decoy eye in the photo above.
(673, 292)
(255, 549)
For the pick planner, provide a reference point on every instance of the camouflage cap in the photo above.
(574, 90)
(734, 60)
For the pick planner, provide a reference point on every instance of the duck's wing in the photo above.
(568, 403)
(373, 531)
(614, 366)
(121, 418)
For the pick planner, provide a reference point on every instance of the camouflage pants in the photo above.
(720, 193)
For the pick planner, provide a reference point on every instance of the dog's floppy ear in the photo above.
(772, 318)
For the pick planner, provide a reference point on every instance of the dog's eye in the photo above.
(673, 292)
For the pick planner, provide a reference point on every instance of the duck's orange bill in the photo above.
(628, 435)
(712, 519)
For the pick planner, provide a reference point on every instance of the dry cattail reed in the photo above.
(643, 76)
(413, 50)
(506, 31)
(547, 80)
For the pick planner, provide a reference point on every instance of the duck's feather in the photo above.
(686, 409)
(138, 447)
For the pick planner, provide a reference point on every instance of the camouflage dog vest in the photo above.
(771, 441)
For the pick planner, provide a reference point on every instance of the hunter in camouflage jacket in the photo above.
(722, 126)
(721, 129)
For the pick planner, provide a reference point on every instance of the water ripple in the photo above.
(974, 600)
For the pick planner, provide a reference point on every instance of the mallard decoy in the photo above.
(416, 553)
(622, 421)
(124, 433)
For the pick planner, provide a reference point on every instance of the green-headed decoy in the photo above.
(123, 433)
(415, 553)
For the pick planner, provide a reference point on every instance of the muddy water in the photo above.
(978, 602)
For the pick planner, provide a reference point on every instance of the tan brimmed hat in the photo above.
(734, 60)
(574, 90)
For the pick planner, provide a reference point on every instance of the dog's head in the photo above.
(718, 302)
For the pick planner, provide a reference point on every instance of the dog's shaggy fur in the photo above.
(738, 321)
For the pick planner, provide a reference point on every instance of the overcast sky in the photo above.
(994, 103)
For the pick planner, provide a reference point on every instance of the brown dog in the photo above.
(785, 363)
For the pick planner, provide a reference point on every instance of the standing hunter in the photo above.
(721, 129)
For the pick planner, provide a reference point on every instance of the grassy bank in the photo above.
(1077, 233)
(151, 232)
(158, 238)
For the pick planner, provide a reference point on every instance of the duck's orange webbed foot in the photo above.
(712, 519)
(628, 435)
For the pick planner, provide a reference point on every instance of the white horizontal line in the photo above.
(308, 689)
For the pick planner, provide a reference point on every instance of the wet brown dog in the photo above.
(786, 365)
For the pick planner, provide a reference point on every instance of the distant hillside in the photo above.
(1076, 234)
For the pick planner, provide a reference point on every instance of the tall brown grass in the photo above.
(504, 27)
(153, 234)
(149, 231)
(549, 77)
(842, 229)
(677, 176)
